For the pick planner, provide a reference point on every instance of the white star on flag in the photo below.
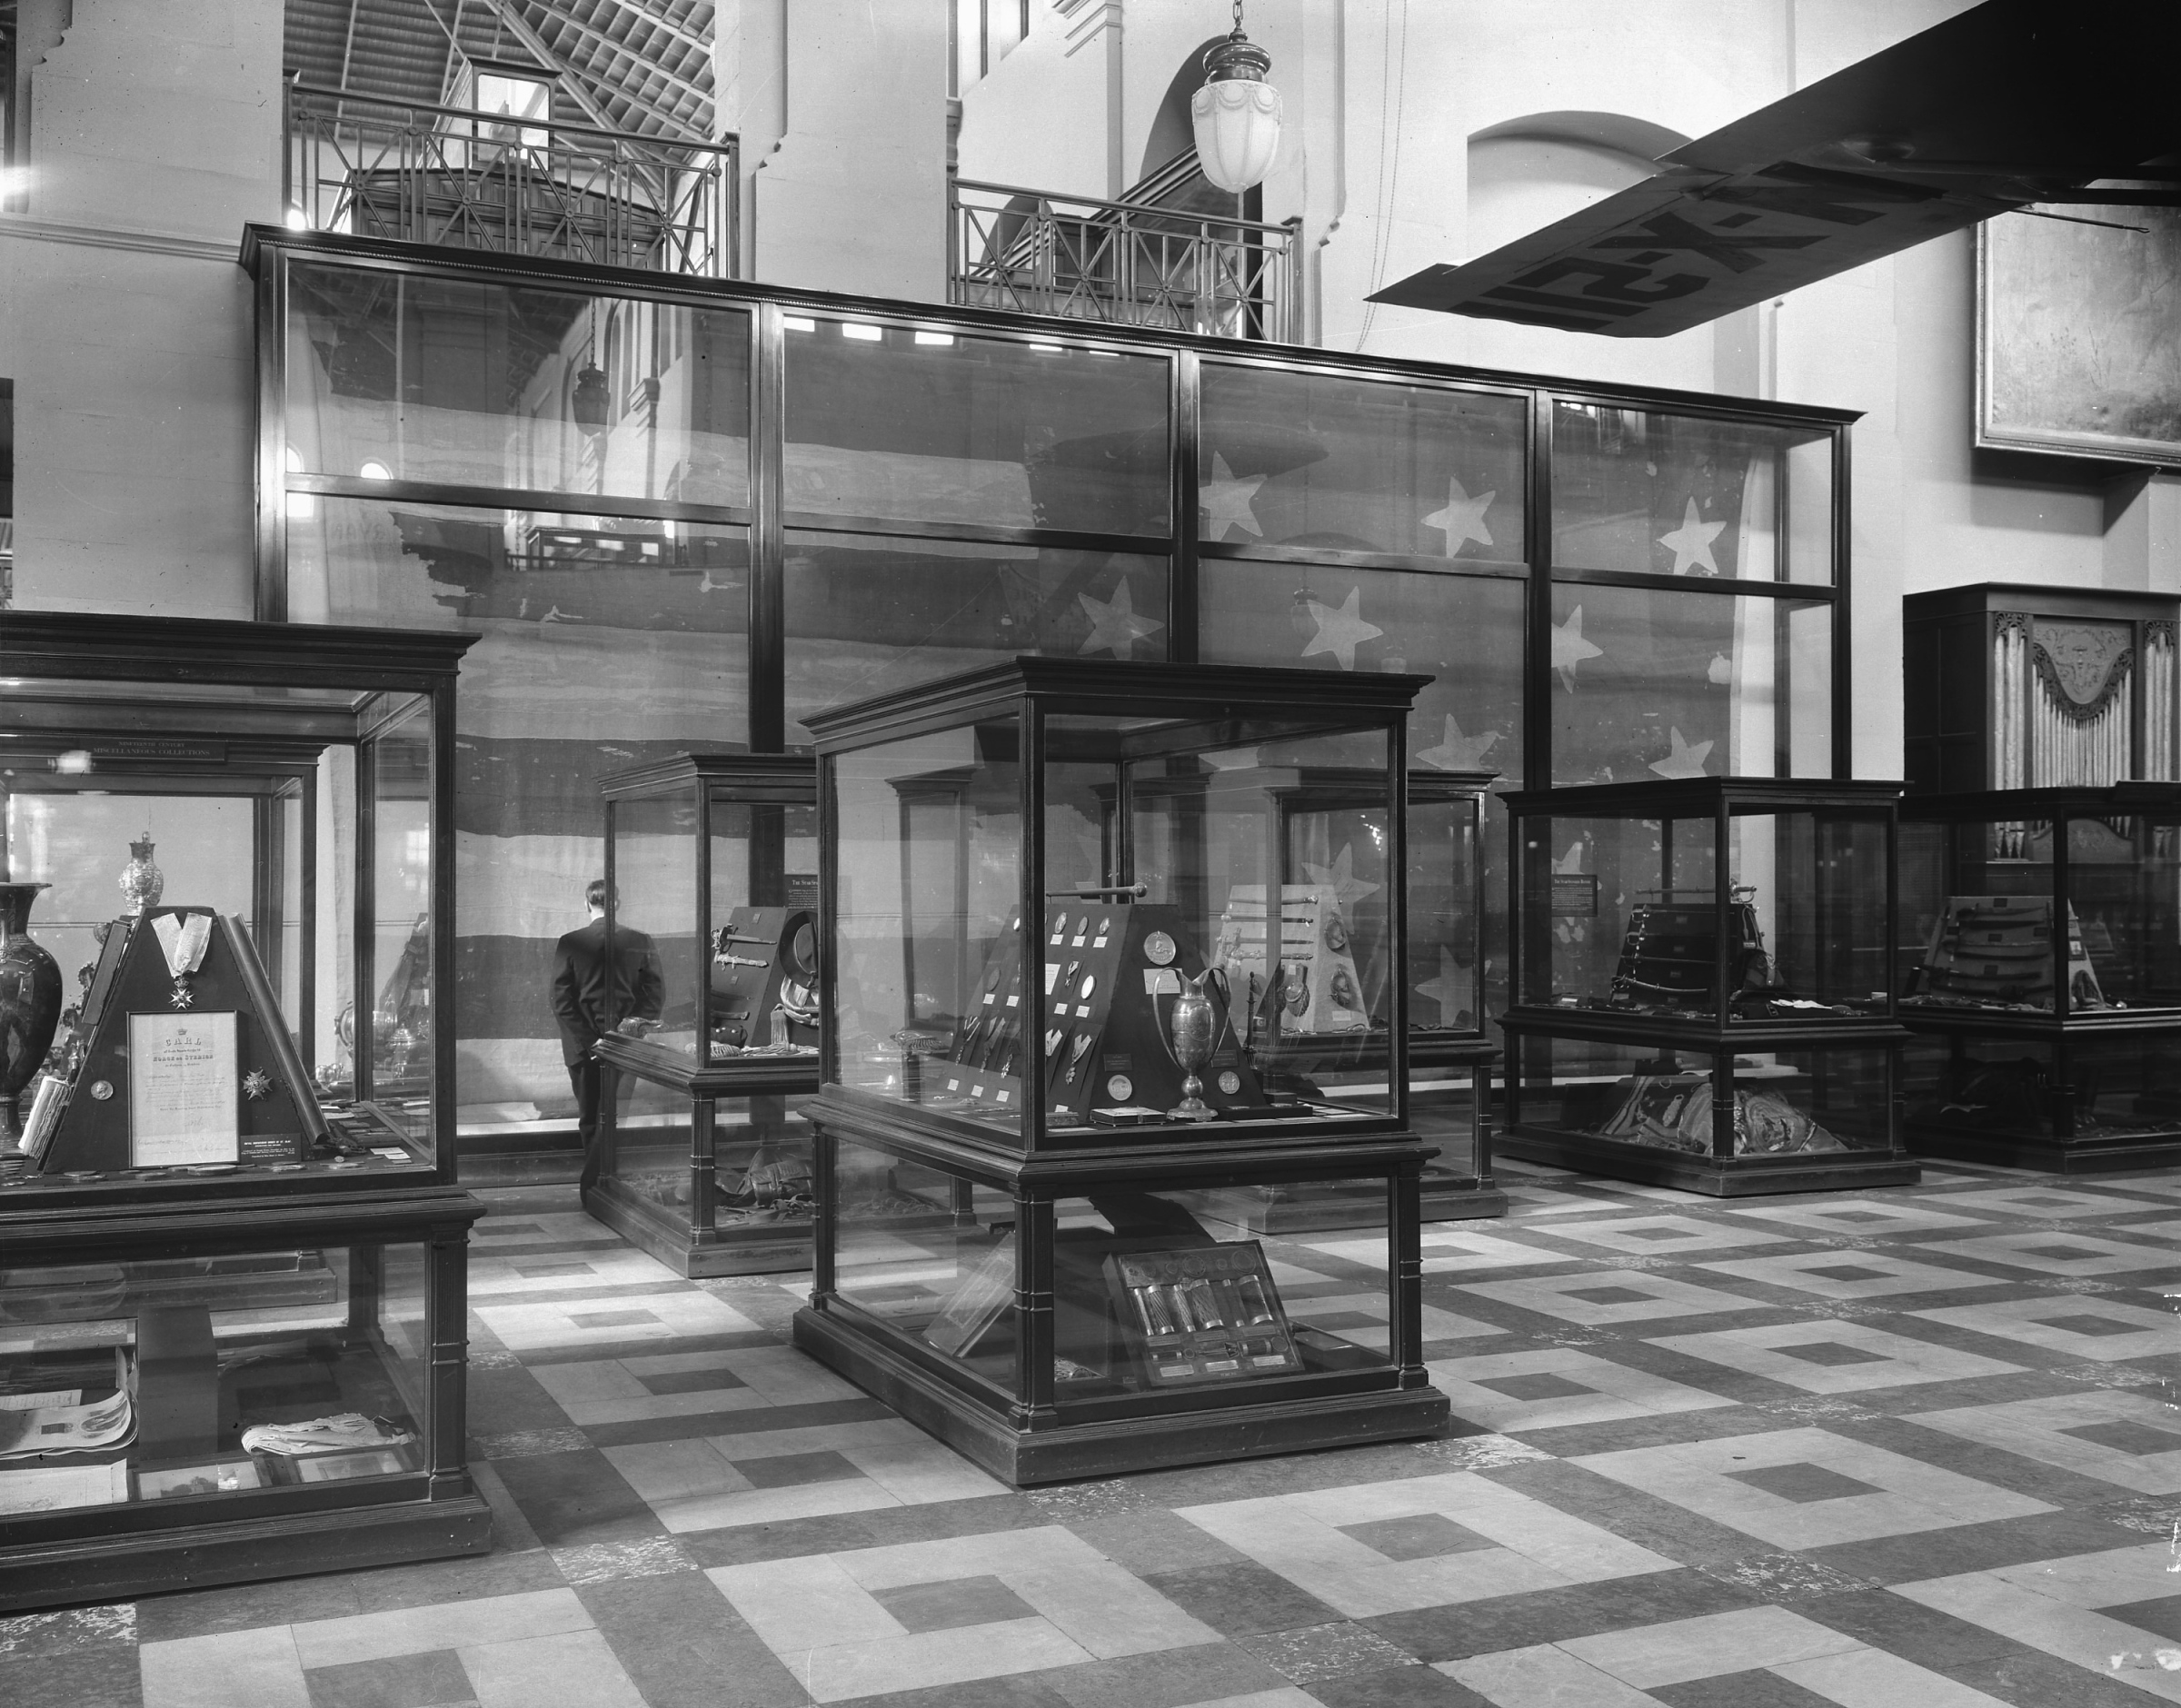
(1685, 760)
(1569, 649)
(1341, 876)
(1115, 627)
(1340, 631)
(1226, 499)
(1447, 989)
(1463, 518)
(1459, 753)
(1691, 542)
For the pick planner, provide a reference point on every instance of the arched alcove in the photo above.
(1173, 132)
(1528, 172)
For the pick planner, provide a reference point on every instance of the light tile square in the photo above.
(1672, 1236)
(1446, 1249)
(1863, 1217)
(2056, 1323)
(2040, 1429)
(1302, 1537)
(2045, 1202)
(1614, 1391)
(574, 1666)
(2072, 1254)
(439, 1625)
(2053, 1605)
(1850, 1275)
(544, 1324)
(1886, 1360)
(1614, 1296)
(220, 1669)
(1912, 1496)
(1687, 1649)
(1544, 1676)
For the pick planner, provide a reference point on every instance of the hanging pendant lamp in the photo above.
(1236, 112)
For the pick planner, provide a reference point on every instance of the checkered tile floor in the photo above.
(1915, 1447)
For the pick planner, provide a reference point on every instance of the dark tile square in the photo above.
(1339, 1322)
(575, 1498)
(2161, 1617)
(1543, 1385)
(1425, 1536)
(1803, 1484)
(790, 1470)
(2127, 1436)
(1653, 1233)
(1850, 1272)
(2061, 1253)
(610, 1319)
(2084, 1323)
(691, 1381)
(1752, 1689)
(1608, 1295)
(960, 1601)
(2045, 1201)
(538, 1271)
(1411, 1686)
(1242, 1599)
(1830, 1354)
(1317, 1653)
(401, 1681)
(1857, 1215)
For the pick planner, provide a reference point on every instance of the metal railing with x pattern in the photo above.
(470, 180)
(1136, 264)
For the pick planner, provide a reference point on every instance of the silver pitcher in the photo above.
(1192, 1033)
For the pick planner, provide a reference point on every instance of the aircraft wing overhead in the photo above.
(2000, 106)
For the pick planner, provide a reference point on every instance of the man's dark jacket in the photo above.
(586, 1002)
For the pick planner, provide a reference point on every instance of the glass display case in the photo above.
(712, 875)
(1703, 982)
(2040, 955)
(1095, 966)
(233, 1250)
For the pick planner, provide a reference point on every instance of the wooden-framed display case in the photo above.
(236, 1269)
(711, 874)
(1703, 983)
(1052, 1060)
(2040, 956)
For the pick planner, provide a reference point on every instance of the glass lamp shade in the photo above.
(1236, 115)
(591, 400)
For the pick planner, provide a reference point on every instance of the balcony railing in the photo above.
(1122, 261)
(435, 174)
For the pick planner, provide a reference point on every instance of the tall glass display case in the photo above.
(232, 1314)
(1703, 982)
(1063, 1037)
(2040, 954)
(711, 874)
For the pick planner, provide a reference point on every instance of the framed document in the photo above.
(183, 1090)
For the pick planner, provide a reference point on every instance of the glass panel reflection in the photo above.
(1670, 684)
(868, 615)
(396, 376)
(1680, 495)
(1326, 460)
(923, 425)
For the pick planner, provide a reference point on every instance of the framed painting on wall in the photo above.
(2078, 336)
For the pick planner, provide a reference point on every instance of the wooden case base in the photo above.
(150, 1561)
(1064, 1452)
(2045, 1153)
(761, 1250)
(1736, 1177)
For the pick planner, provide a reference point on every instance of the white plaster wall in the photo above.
(124, 320)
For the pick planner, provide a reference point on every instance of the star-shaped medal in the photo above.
(1691, 542)
(1463, 518)
(257, 1085)
(1115, 627)
(1459, 753)
(1686, 759)
(1339, 633)
(1225, 499)
(181, 996)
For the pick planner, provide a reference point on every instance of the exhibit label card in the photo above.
(183, 1090)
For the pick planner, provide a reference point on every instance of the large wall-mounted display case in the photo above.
(1063, 1037)
(232, 1319)
(711, 874)
(1704, 983)
(2040, 957)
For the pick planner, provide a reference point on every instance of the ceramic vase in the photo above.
(142, 882)
(30, 1004)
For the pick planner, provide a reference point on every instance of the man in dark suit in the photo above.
(591, 998)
